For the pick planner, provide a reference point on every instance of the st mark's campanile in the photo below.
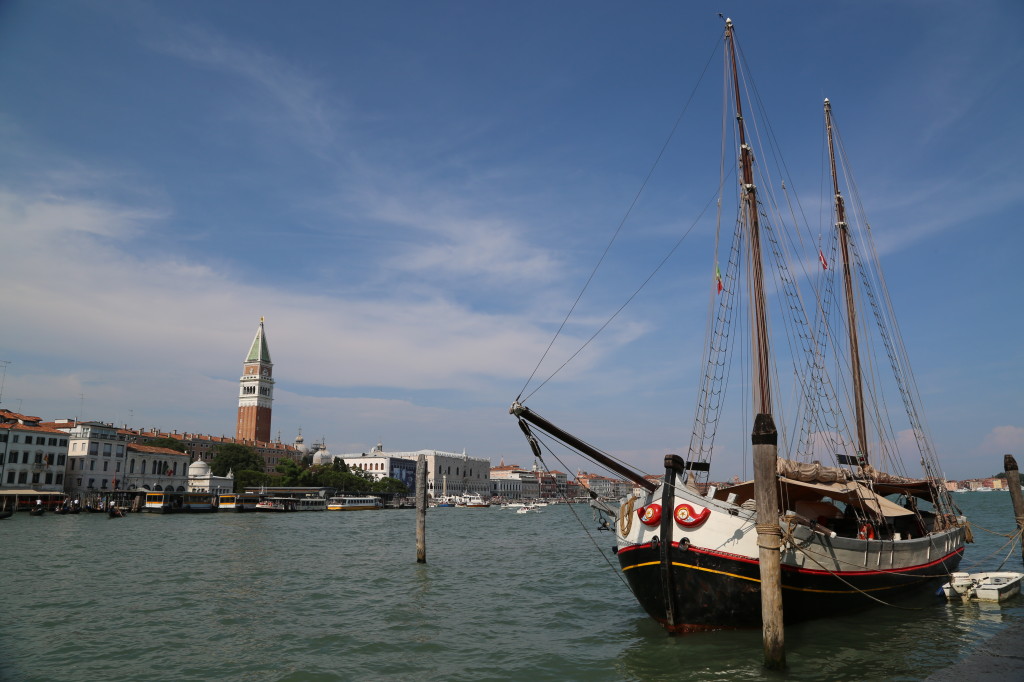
(256, 391)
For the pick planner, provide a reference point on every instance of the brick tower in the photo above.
(256, 391)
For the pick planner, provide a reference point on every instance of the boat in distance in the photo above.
(238, 502)
(473, 500)
(851, 525)
(354, 503)
(168, 502)
(291, 504)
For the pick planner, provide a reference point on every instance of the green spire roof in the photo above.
(259, 351)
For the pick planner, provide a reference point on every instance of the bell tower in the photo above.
(256, 391)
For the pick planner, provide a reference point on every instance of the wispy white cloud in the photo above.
(302, 102)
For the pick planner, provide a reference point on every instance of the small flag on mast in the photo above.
(718, 278)
(821, 257)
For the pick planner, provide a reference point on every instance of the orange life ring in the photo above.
(685, 516)
(867, 532)
(650, 515)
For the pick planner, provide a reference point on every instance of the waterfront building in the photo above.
(380, 465)
(461, 473)
(33, 454)
(96, 456)
(204, 447)
(512, 482)
(516, 483)
(101, 459)
(256, 391)
(155, 468)
(201, 479)
(604, 487)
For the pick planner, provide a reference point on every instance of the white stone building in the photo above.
(33, 454)
(202, 480)
(101, 460)
(461, 474)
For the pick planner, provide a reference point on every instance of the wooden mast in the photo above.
(851, 311)
(765, 436)
(761, 381)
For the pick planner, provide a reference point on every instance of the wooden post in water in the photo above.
(769, 539)
(1013, 481)
(421, 509)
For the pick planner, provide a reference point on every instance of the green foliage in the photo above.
(237, 458)
(291, 472)
(390, 485)
(171, 443)
(248, 478)
(335, 475)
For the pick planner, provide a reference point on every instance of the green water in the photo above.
(339, 596)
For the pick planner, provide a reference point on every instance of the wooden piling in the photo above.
(1013, 481)
(769, 539)
(421, 509)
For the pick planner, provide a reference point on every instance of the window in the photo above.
(14, 457)
(3, 437)
(15, 438)
(92, 464)
(92, 482)
(60, 460)
(39, 458)
(105, 465)
(120, 450)
(28, 440)
(64, 442)
(23, 477)
(52, 441)
(118, 470)
(104, 485)
(143, 466)
(60, 479)
(94, 448)
(106, 449)
(49, 479)
(131, 466)
(10, 477)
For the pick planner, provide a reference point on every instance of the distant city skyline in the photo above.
(412, 194)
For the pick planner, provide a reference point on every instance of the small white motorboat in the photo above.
(997, 586)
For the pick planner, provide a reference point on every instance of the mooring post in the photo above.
(1013, 481)
(421, 509)
(769, 539)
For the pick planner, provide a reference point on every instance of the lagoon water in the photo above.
(339, 596)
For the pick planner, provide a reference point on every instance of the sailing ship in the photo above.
(850, 533)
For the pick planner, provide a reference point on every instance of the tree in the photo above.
(291, 472)
(390, 485)
(237, 458)
(250, 479)
(168, 442)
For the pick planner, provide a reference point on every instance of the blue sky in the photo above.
(413, 193)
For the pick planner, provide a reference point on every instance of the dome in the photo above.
(199, 468)
(322, 456)
(300, 444)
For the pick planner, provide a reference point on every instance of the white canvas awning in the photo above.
(851, 492)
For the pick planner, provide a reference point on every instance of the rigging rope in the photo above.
(615, 235)
(586, 530)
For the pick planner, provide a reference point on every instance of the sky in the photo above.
(412, 195)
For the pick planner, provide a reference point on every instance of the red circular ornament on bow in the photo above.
(650, 515)
(686, 517)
